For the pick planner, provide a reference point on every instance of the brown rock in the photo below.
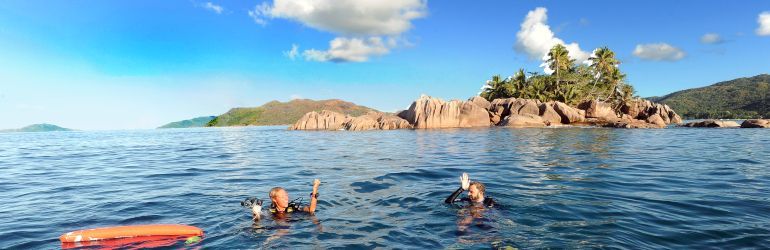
(601, 110)
(632, 123)
(481, 102)
(429, 112)
(376, 120)
(525, 107)
(756, 123)
(656, 120)
(568, 114)
(712, 124)
(523, 121)
(502, 107)
(493, 118)
(549, 115)
(326, 120)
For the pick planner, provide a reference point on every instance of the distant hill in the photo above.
(282, 113)
(38, 128)
(735, 99)
(191, 123)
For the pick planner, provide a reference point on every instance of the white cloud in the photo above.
(362, 26)
(295, 97)
(658, 52)
(764, 24)
(535, 38)
(292, 54)
(711, 38)
(348, 50)
(259, 13)
(350, 17)
(213, 7)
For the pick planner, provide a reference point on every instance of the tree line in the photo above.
(600, 79)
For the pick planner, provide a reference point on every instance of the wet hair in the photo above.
(479, 186)
(275, 191)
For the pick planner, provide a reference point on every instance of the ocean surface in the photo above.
(676, 188)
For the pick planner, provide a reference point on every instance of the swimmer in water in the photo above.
(280, 205)
(475, 193)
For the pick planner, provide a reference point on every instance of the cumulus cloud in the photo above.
(535, 38)
(292, 54)
(349, 50)
(658, 52)
(213, 7)
(364, 27)
(764, 24)
(711, 38)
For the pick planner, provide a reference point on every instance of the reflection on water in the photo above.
(557, 188)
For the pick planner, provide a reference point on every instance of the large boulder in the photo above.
(568, 114)
(376, 120)
(502, 107)
(643, 109)
(712, 124)
(525, 107)
(600, 110)
(523, 121)
(429, 112)
(480, 101)
(656, 120)
(325, 120)
(549, 115)
(756, 123)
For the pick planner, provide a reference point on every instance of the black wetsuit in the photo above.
(488, 202)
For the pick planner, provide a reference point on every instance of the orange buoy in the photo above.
(130, 231)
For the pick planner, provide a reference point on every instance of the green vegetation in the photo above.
(280, 113)
(191, 123)
(38, 128)
(568, 83)
(741, 98)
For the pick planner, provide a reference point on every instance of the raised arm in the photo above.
(314, 196)
(465, 181)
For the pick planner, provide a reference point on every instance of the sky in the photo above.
(109, 65)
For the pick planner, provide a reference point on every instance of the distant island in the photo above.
(191, 123)
(283, 113)
(43, 127)
(742, 98)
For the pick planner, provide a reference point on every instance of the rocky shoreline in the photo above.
(429, 113)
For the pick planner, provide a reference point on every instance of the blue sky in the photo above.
(139, 64)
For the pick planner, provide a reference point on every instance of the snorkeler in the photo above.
(475, 193)
(280, 202)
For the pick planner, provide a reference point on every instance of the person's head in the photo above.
(476, 191)
(279, 197)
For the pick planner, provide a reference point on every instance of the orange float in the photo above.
(107, 233)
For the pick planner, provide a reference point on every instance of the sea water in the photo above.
(676, 188)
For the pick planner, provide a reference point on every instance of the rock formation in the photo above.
(756, 123)
(429, 112)
(330, 120)
(523, 121)
(712, 124)
(643, 109)
(325, 120)
(600, 110)
(376, 120)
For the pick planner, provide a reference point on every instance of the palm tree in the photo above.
(603, 64)
(559, 61)
(518, 82)
(496, 88)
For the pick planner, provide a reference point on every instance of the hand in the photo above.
(316, 182)
(465, 181)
